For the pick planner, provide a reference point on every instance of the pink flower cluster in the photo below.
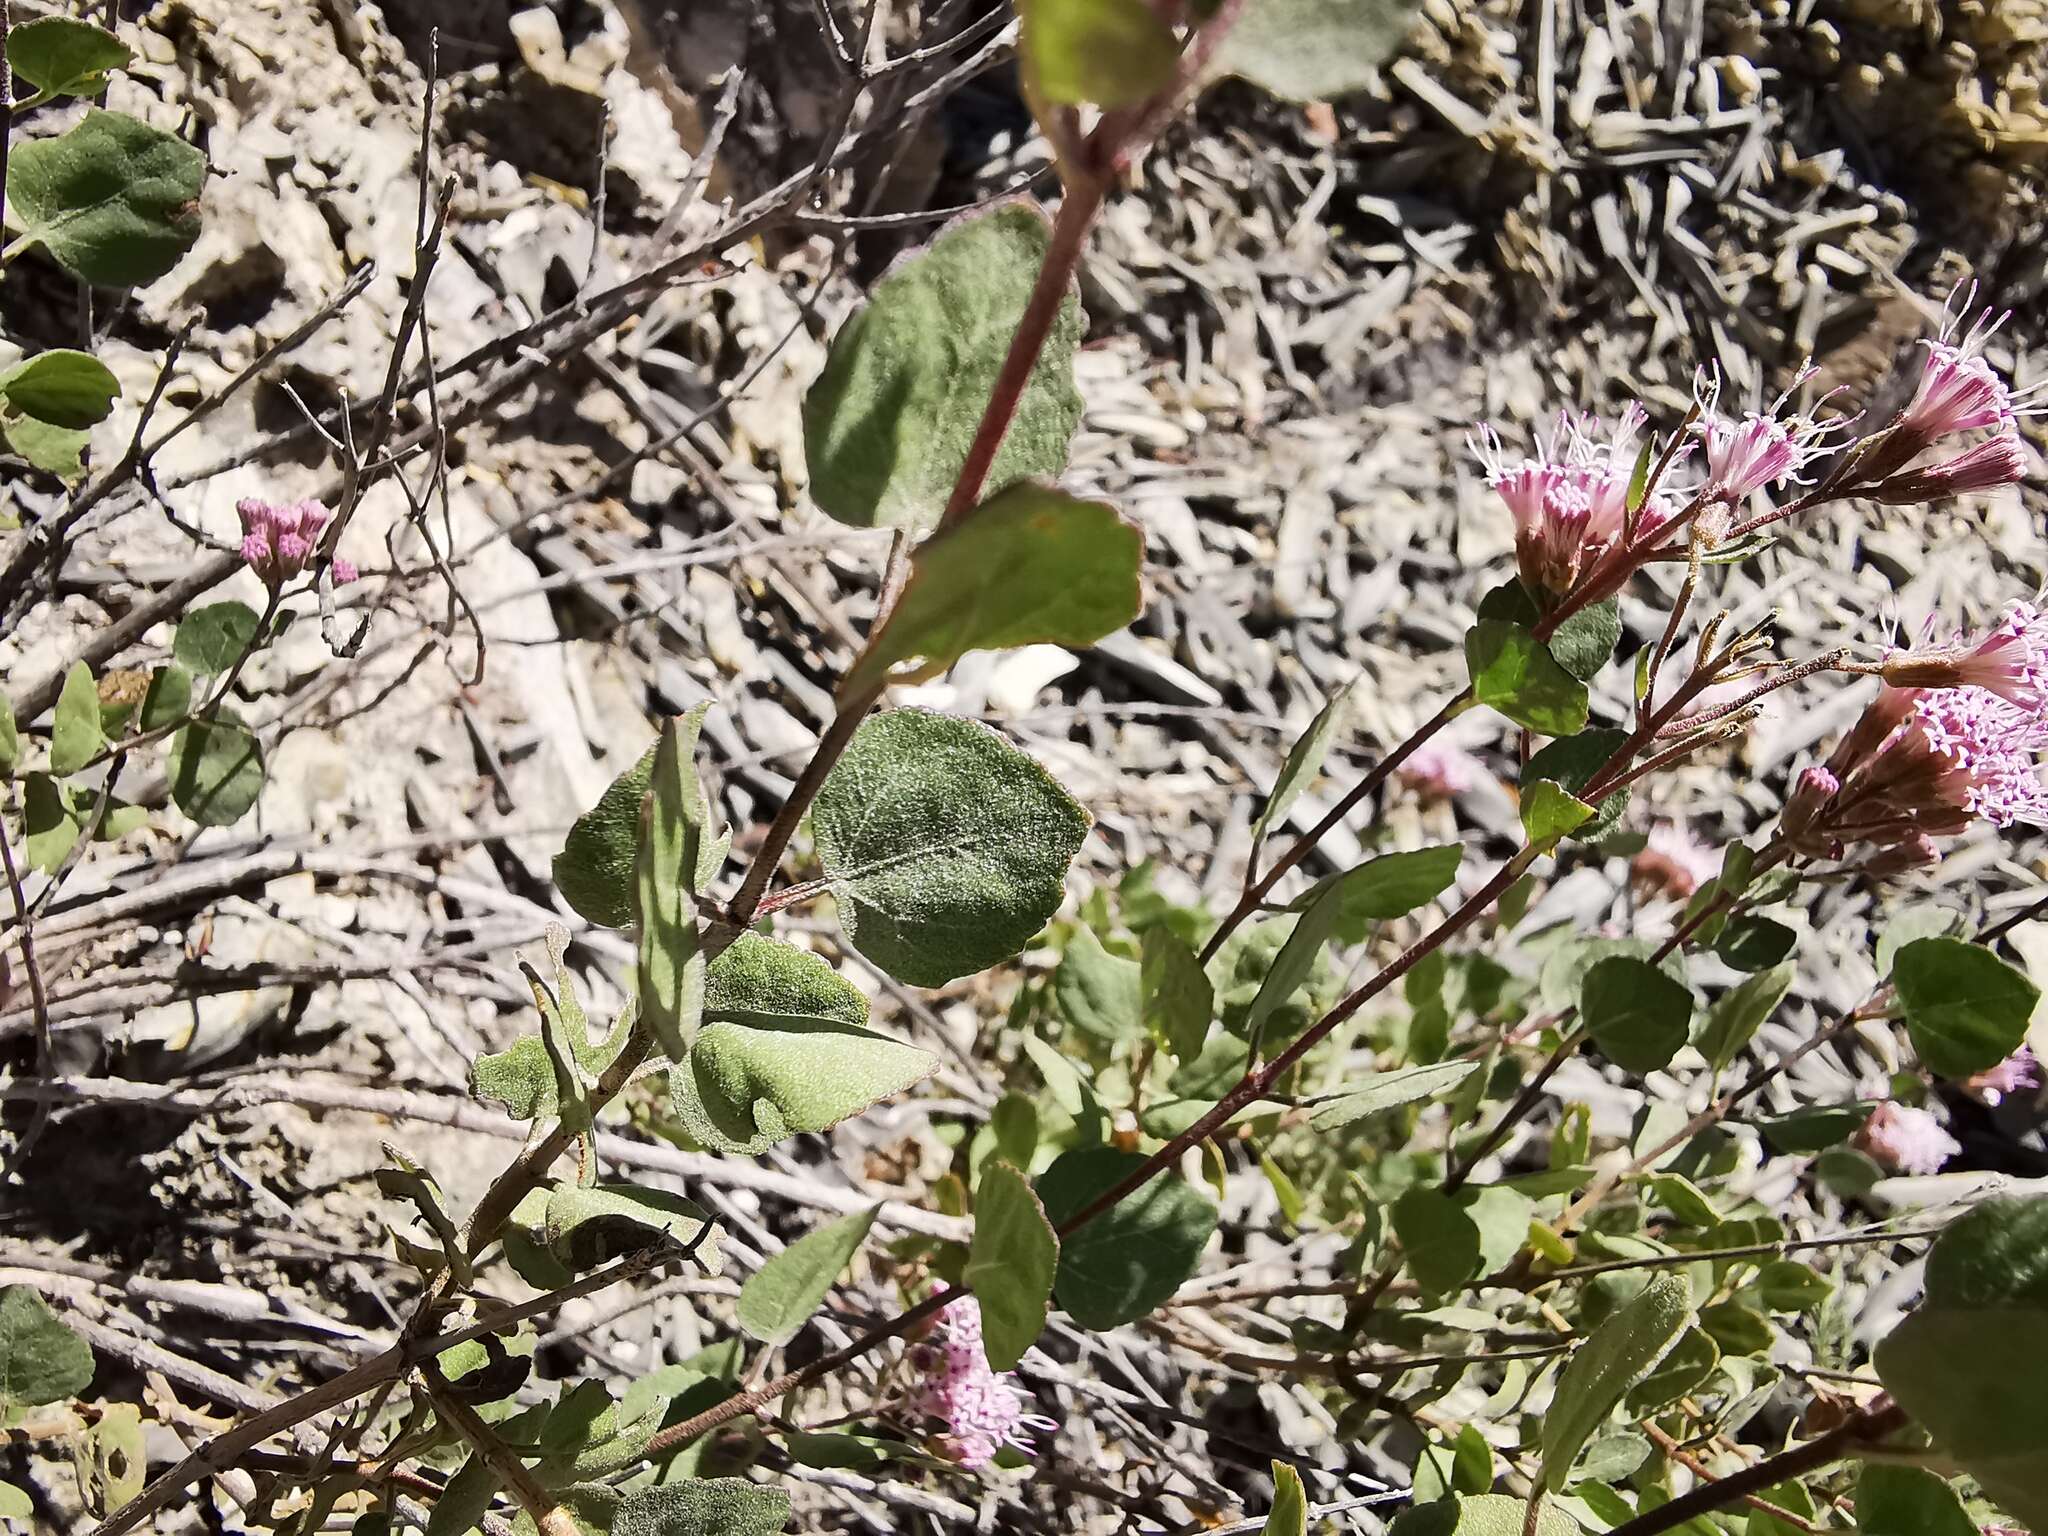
(1765, 447)
(1570, 501)
(982, 1410)
(2019, 1071)
(1959, 393)
(278, 542)
(1960, 743)
(1436, 770)
(1907, 1140)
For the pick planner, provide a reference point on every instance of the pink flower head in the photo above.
(1922, 763)
(1997, 461)
(2010, 661)
(2018, 1071)
(1907, 1140)
(982, 1410)
(1673, 862)
(279, 542)
(1437, 770)
(1959, 390)
(1570, 500)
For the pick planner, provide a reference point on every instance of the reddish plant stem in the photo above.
(1256, 1082)
(1078, 208)
(1255, 892)
(1866, 1427)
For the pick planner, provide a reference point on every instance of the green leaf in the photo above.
(1108, 53)
(742, 1088)
(1621, 1352)
(1030, 566)
(1132, 1258)
(1310, 50)
(1515, 673)
(62, 57)
(1384, 1090)
(1739, 1330)
(1440, 1239)
(1636, 1013)
(1097, 992)
(520, 1080)
(1452, 1239)
(1966, 1009)
(58, 451)
(169, 699)
(1389, 886)
(1571, 763)
(1482, 1514)
(1289, 1514)
(216, 770)
(946, 847)
(114, 201)
(762, 982)
(75, 734)
(586, 1227)
(594, 870)
(1295, 963)
(888, 424)
(783, 1294)
(1305, 761)
(1583, 643)
(50, 822)
(1785, 1285)
(1908, 1501)
(1011, 1264)
(1970, 1364)
(1550, 813)
(678, 853)
(1684, 1199)
(10, 739)
(1463, 1464)
(1752, 943)
(1813, 1130)
(212, 639)
(112, 1463)
(721, 1506)
(1739, 1012)
(1178, 1000)
(16, 1505)
(41, 1360)
(61, 387)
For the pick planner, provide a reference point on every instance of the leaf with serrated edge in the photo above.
(1966, 1009)
(114, 201)
(784, 1293)
(946, 847)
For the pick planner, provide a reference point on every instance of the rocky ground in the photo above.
(1294, 319)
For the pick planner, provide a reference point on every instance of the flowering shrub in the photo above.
(1574, 1331)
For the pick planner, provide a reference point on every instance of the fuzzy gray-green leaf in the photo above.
(946, 847)
(888, 424)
